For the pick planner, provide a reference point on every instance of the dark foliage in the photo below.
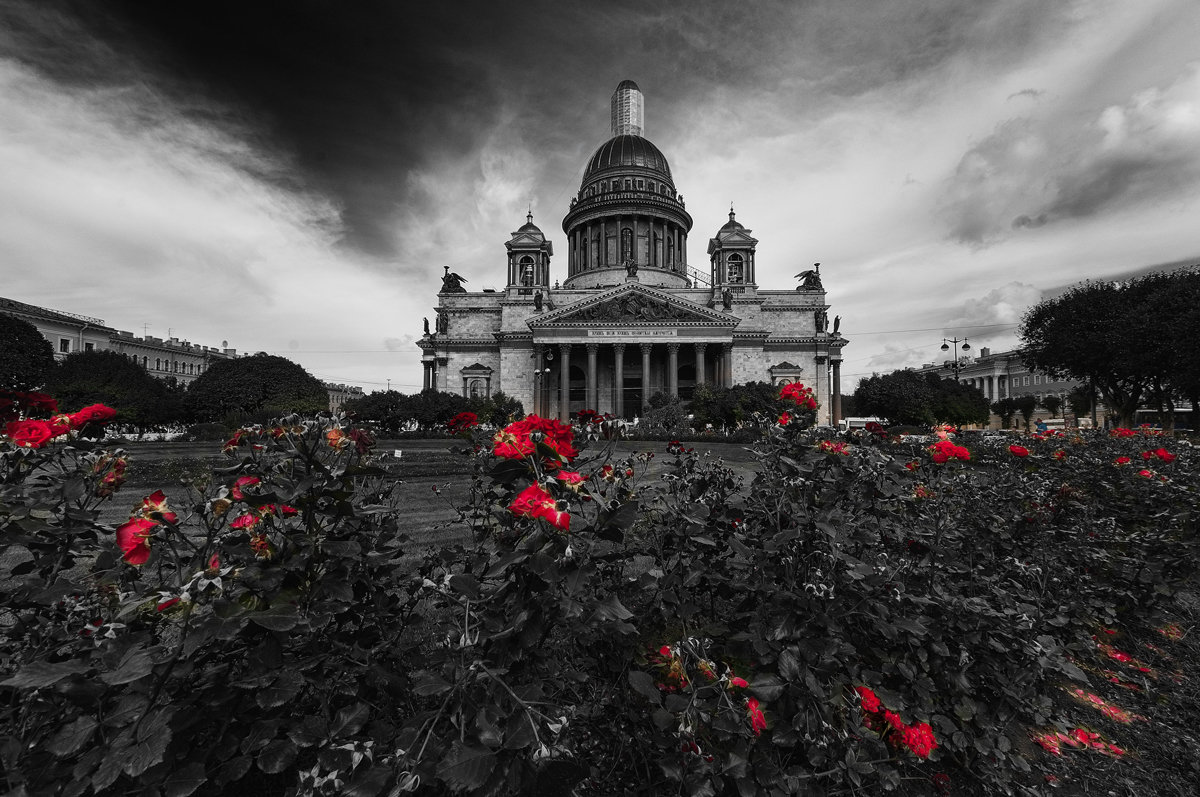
(26, 357)
(106, 377)
(253, 389)
(913, 399)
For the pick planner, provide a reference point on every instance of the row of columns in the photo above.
(582, 236)
(592, 396)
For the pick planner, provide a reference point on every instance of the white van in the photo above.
(846, 424)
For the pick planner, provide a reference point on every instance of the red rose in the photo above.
(97, 413)
(244, 481)
(133, 538)
(462, 422)
(758, 722)
(29, 434)
(919, 739)
(870, 701)
(535, 502)
(1020, 451)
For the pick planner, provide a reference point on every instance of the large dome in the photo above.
(624, 151)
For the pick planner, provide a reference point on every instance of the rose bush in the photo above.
(867, 615)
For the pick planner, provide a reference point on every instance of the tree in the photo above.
(383, 409)
(733, 406)
(432, 408)
(1080, 400)
(909, 398)
(1131, 341)
(255, 388)
(1026, 405)
(106, 377)
(1006, 408)
(1052, 403)
(499, 409)
(25, 356)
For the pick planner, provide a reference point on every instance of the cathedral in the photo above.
(632, 317)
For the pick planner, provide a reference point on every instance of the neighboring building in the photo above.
(632, 318)
(165, 359)
(169, 359)
(340, 394)
(1003, 375)
(67, 332)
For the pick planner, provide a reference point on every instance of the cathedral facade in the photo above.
(632, 318)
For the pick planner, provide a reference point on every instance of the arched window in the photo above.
(670, 250)
(626, 244)
(526, 269)
(735, 272)
(146, 363)
(157, 363)
(650, 186)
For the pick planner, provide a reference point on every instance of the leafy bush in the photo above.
(869, 617)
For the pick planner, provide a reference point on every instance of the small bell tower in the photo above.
(528, 260)
(731, 256)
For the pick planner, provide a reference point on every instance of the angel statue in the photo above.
(810, 280)
(452, 283)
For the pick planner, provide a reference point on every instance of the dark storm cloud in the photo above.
(1030, 173)
(363, 96)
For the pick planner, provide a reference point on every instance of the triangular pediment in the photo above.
(633, 303)
(526, 239)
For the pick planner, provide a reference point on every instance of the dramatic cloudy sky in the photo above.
(291, 176)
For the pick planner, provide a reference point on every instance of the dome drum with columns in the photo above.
(630, 319)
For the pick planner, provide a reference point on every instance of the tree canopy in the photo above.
(1132, 341)
(389, 410)
(106, 377)
(736, 405)
(255, 388)
(910, 398)
(26, 357)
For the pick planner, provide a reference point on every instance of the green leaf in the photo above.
(349, 720)
(40, 674)
(466, 767)
(135, 664)
(280, 617)
(613, 524)
(183, 782)
(281, 691)
(612, 609)
(766, 687)
(430, 683)
(72, 736)
(643, 684)
(789, 665)
(277, 756)
(466, 584)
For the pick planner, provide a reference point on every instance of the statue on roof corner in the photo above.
(727, 299)
(630, 268)
(451, 282)
(837, 323)
(810, 280)
(426, 319)
(537, 301)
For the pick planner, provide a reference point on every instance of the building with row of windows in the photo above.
(631, 318)
(172, 358)
(1000, 375)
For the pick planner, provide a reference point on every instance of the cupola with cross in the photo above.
(731, 254)
(528, 259)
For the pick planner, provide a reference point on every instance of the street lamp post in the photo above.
(950, 344)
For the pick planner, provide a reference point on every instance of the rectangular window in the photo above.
(64, 345)
(1037, 379)
(89, 347)
(1024, 380)
(1015, 381)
